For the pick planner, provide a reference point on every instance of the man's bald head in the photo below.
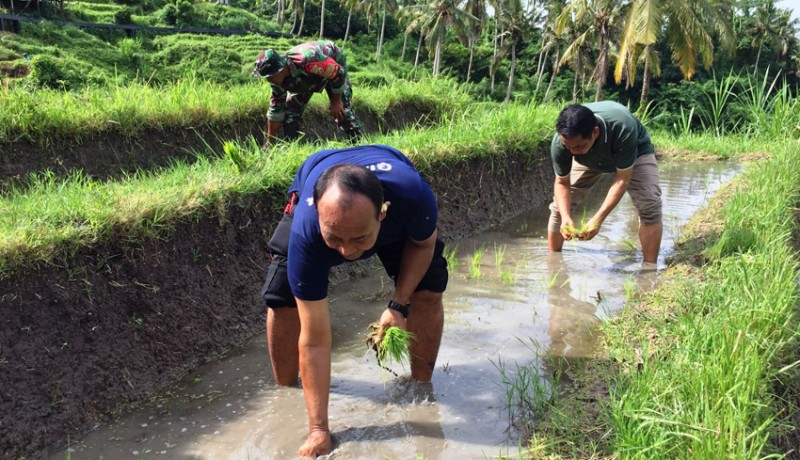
(350, 179)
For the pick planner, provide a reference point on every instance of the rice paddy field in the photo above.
(703, 367)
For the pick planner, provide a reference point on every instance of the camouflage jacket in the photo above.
(313, 66)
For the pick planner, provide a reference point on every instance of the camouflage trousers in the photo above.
(296, 104)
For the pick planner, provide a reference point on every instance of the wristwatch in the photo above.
(403, 309)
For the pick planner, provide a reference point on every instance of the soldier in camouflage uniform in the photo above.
(306, 69)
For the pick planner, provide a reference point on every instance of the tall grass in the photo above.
(48, 115)
(705, 389)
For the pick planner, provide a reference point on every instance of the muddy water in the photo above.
(514, 305)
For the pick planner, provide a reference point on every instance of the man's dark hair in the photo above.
(576, 120)
(352, 179)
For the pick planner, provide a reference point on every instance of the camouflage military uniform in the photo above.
(313, 66)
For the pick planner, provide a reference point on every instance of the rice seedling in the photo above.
(630, 289)
(475, 263)
(629, 244)
(507, 275)
(527, 393)
(551, 278)
(449, 255)
(392, 348)
(499, 253)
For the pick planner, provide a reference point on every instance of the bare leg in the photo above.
(426, 321)
(555, 241)
(283, 332)
(650, 237)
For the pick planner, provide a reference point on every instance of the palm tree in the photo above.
(598, 20)
(298, 11)
(515, 23)
(390, 5)
(764, 27)
(786, 33)
(434, 18)
(477, 9)
(687, 34)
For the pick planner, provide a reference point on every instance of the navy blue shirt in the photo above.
(412, 214)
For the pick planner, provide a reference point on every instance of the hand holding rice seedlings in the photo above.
(578, 233)
(392, 347)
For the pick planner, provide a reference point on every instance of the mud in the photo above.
(104, 330)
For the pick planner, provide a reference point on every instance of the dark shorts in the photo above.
(277, 293)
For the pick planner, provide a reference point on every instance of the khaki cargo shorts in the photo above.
(643, 190)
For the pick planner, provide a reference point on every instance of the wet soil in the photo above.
(111, 154)
(102, 331)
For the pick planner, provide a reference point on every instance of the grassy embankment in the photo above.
(703, 367)
(51, 218)
(46, 116)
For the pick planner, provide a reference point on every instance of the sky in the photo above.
(793, 5)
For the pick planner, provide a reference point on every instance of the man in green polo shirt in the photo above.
(595, 139)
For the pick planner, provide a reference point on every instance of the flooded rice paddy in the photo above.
(508, 303)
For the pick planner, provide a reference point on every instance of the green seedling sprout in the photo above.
(475, 263)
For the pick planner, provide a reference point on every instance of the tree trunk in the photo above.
(758, 57)
(542, 59)
(419, 46)
(494, 57)
(294, 20)
(405, 43)
(380, 38)
(280, 13)
(541, 72)
(602, 67)
(302, 20)
(322, 19)
(575, 85)
(347, 30)
(510, 89)
(437, 58)
(645, 83)
(471, 55)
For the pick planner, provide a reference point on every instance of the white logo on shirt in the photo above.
(310, 201)
(382, 166)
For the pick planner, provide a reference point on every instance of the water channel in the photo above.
(522, 304)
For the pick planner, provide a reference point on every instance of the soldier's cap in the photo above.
(269, 63)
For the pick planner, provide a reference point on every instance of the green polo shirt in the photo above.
(622, 140)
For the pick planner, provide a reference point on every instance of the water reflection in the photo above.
(572, 322)
(515, 304)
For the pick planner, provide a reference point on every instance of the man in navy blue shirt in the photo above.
(347, 205)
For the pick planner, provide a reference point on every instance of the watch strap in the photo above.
(403, 309)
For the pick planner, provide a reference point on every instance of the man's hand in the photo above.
(388, 319)
(568, 230)
(273, 127)
(337, 107)
(590, 231)
(317, 443)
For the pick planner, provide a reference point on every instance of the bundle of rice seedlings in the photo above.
(580, 233)
(392, 348)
